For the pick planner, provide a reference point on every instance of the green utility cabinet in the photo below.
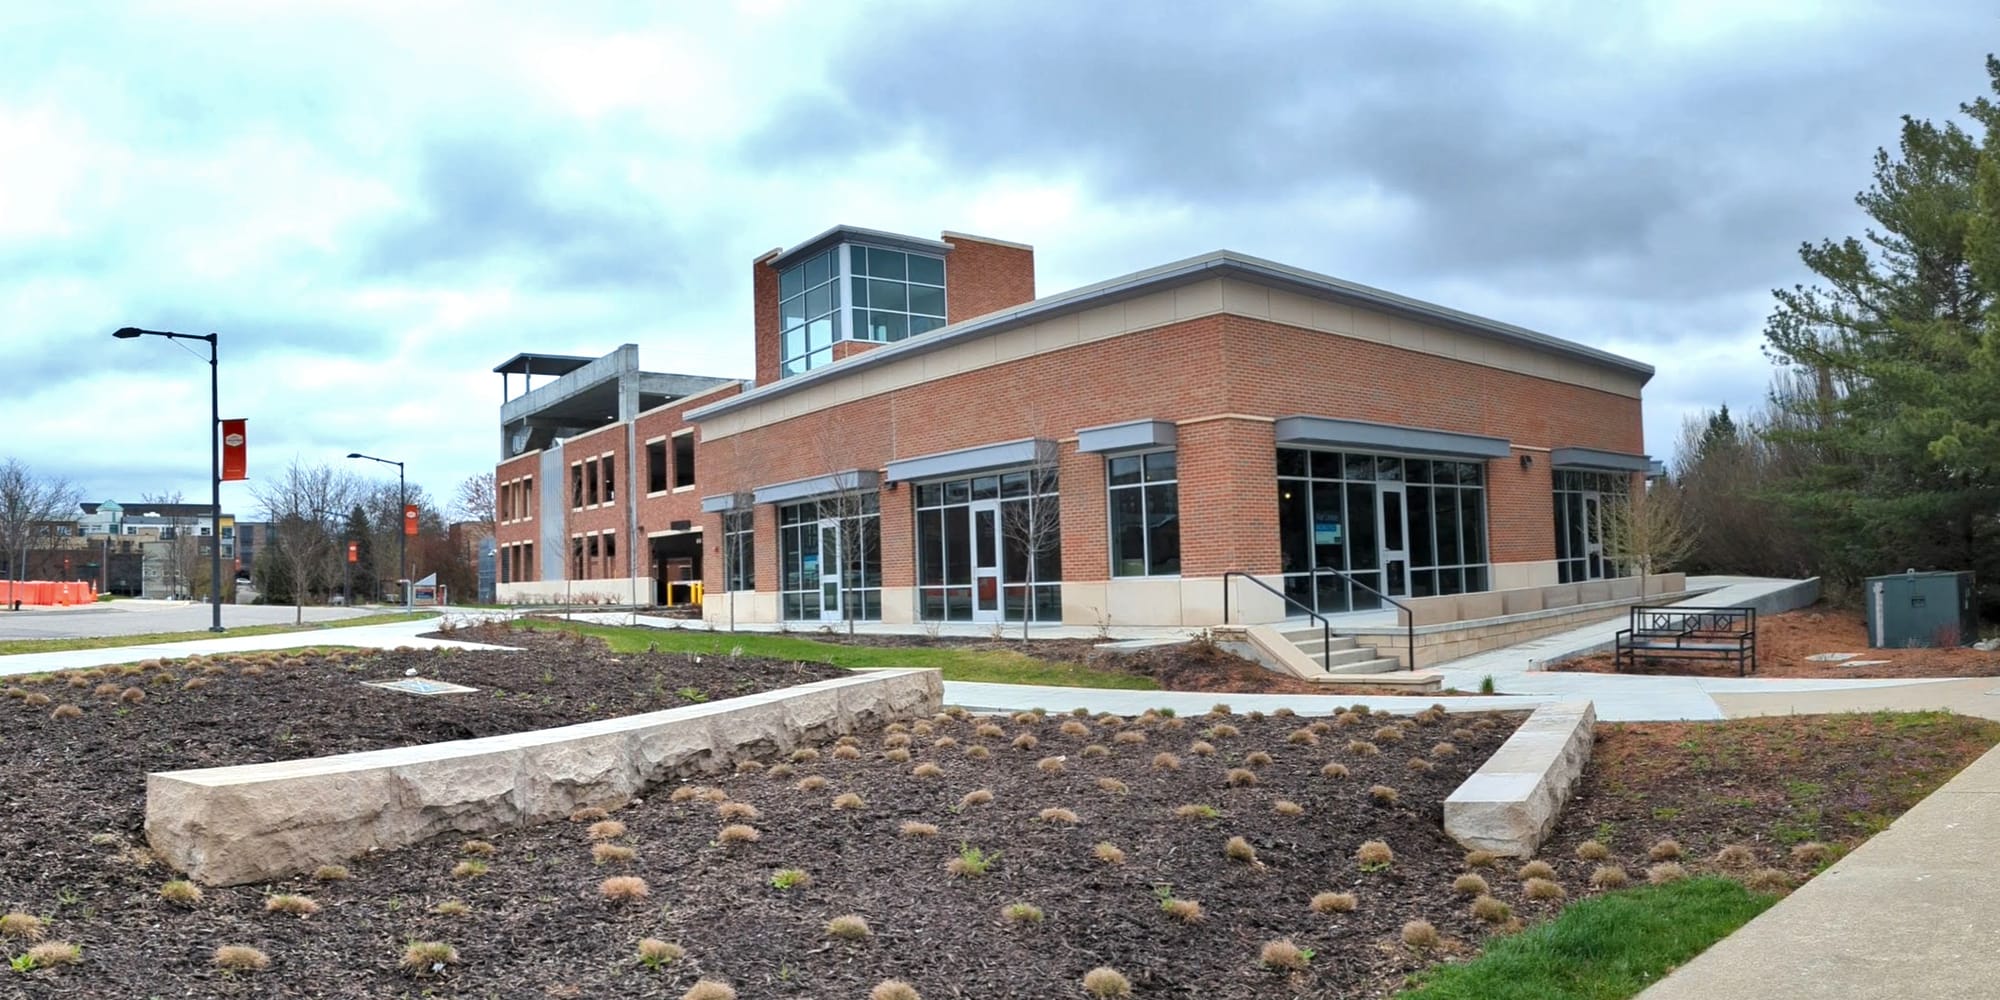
(1920, 609)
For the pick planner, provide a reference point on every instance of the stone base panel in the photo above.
(621, 592)
(234, 825)
(1511, 804)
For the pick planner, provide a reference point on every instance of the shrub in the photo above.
(1197, 811)
(241, 958)
(971, 862)
(1071, 727)
(1057, 814)
(1334, 902)
(1108, 853)
(1112, 786)
(927, 770)
(1470, 885)
(1362, 748)
(1609, 877)
(1382, 794)
(1812, 852)
(470, 868)
(1164, 761)
(1665, 872)
(790, 878)
(895, 989)
(179, 892)
(1050, 765)
(25, 926)
(710, 989)
(623, 888)
(1186, 911)
(451, 908)
(851, 927)
(1668, 849)
(1480, 859)
(1223, 732)
(592, 814)
(1591, 850)
(332, 873)
(1240, 777)
(846, 753)
(811, 783)
(849, 801)
(976, 797)
(1736, 856)
(428, 956)
(1374, 856)
(1104, 981)
(1444, 750)
(296, 905)
(1419, 935)
(1333, 769)
(1768, 880)
(1536, 869)
(738, 833)
(1257, 758)
(1542, 888)
(1491, 910)
(1283, 954)
(1201, 748)
(66, 711)
(654, 952)
(51, 954)
(1097, 750)
(605, 854)
(1286, 807)
(735, 812)
(1022, 913)
(476, 848)
(912, 828)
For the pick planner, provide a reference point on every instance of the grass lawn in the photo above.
(14, 646)
(958, 664)
(1604, 948)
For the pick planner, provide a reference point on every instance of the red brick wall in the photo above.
(511, 475)
(843, 349)
(1198, 368)
(983, 276)
(764, 308)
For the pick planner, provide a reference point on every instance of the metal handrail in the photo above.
(1409, 620)
(1325, 626)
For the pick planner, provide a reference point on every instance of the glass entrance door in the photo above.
(1395, 546)
(829, 571)
(986, 561)
(1593, 536)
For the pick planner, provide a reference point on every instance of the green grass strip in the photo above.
(15, 646)
(1605, 948)
(995, 666)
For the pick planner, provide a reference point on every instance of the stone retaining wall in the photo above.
(232, 825)
(1511, 804)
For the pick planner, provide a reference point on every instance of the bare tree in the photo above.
(182, 555)
(474, 501)
(1032, 525)
(853, 506)
(30, 504)
(1649, 531)
(305, 505)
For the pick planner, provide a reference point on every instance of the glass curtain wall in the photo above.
(895, 294)
(1428, 539)
(1583, 502)
(830, 560)
(808, 312)
(972, 544)
(739, 550)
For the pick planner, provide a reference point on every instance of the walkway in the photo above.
(363, 636)
(1908, 914)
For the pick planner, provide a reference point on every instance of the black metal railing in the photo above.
(1409, 620)
(1325, 626)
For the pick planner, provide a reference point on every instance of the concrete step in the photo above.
(1313, 644)
(1341, 657)
(1377, 665)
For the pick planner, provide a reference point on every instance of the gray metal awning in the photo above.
(818, 486)
(1598, 461)
(965, 461)
(1132, 435)
(1362, 435)
(723, 502)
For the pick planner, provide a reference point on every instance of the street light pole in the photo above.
(402, 530)
(214, 462)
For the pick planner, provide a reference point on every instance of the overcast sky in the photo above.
(375, 203)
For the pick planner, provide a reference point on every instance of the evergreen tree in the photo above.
(363, 570)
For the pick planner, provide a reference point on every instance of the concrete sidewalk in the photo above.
(1908, 914)
(364, 636)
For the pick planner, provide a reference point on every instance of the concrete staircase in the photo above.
(1346, 655)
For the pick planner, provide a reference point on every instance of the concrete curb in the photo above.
(1512, 802)
(232, 825)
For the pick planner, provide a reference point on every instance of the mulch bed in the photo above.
(537, 926)
(1183, 666)
(1785, 640)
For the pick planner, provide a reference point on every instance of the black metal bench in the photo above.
(1689, 633)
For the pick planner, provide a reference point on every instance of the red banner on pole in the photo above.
(354, 552)
(234, 465)
(409, 519)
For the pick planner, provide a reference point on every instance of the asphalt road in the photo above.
(136, 617)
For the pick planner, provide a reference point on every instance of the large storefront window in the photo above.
(1405, 527)
(1583, 502)
(1145, 515)
(830, 559)
(990, 549)
(739, 554)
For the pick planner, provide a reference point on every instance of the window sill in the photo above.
(689, 488)
(1141, 579)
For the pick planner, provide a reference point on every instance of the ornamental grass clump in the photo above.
(1491, 910)
(1186, 911)
(790, 878)
(1239, 849)
(607, 854)
(1164, 761)
(1097, 750)
(734, 812)
(1389, 734)
(989, 731)
(24, 926)
(1812, 852)
(849, 801)
(476, 849)
(1470, 885)
(51, 954)
(805, 755)
(1768, 880)
(1736, 856)
(451, 908)
(810, 783)
(1196, 810)
(912, 828)
(1667, 849)
(1362, 748)
(850, 927)
(1058, 815)
(108, 690)
(894, 989)
(927, 770)
(976, 797)
(592, 814)
(1286, 807)
(1536, 869)
(971, 862)
(291, 903)
(1382, 794)
(1283, 954)
(655, 953)
(132, 695)
(1257, 758)
(1591, 850)
(1021, 913)
(710, 989)
(36, 699)
(1481, 859)
(1201, 748)
(623, 889)
(1050, 765)
(1240, 777)
(1374, 856)
(1026, 741)
(1105, 982)
(331, 873)
(1420, 935)
(738, 833)
(1418, 765)
(1328, 903)
(1303, 738)
(1443, 750)
(1609, 877)
(240, 958)
(179, 892)
(66, 712)
(977, 752)
(469, 868)
(1071, 727)
(428, 957)
(1223, 732)
(1112, 786)
(1108, 853)
(1542, 889)
(1333, 769)
(1129, 736)
(1665, 872)
(846, 753)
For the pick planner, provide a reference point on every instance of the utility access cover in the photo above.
(418, 685)
(1832, 657)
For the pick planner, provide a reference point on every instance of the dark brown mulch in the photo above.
(537, 926)
(1768, 784)
(1184, 666)
(1784, 641)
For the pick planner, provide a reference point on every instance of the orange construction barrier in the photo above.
(45, 593)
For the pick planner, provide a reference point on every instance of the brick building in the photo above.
(927, 440)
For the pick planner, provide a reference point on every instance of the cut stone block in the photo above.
(1511, 804)
(233, 825)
